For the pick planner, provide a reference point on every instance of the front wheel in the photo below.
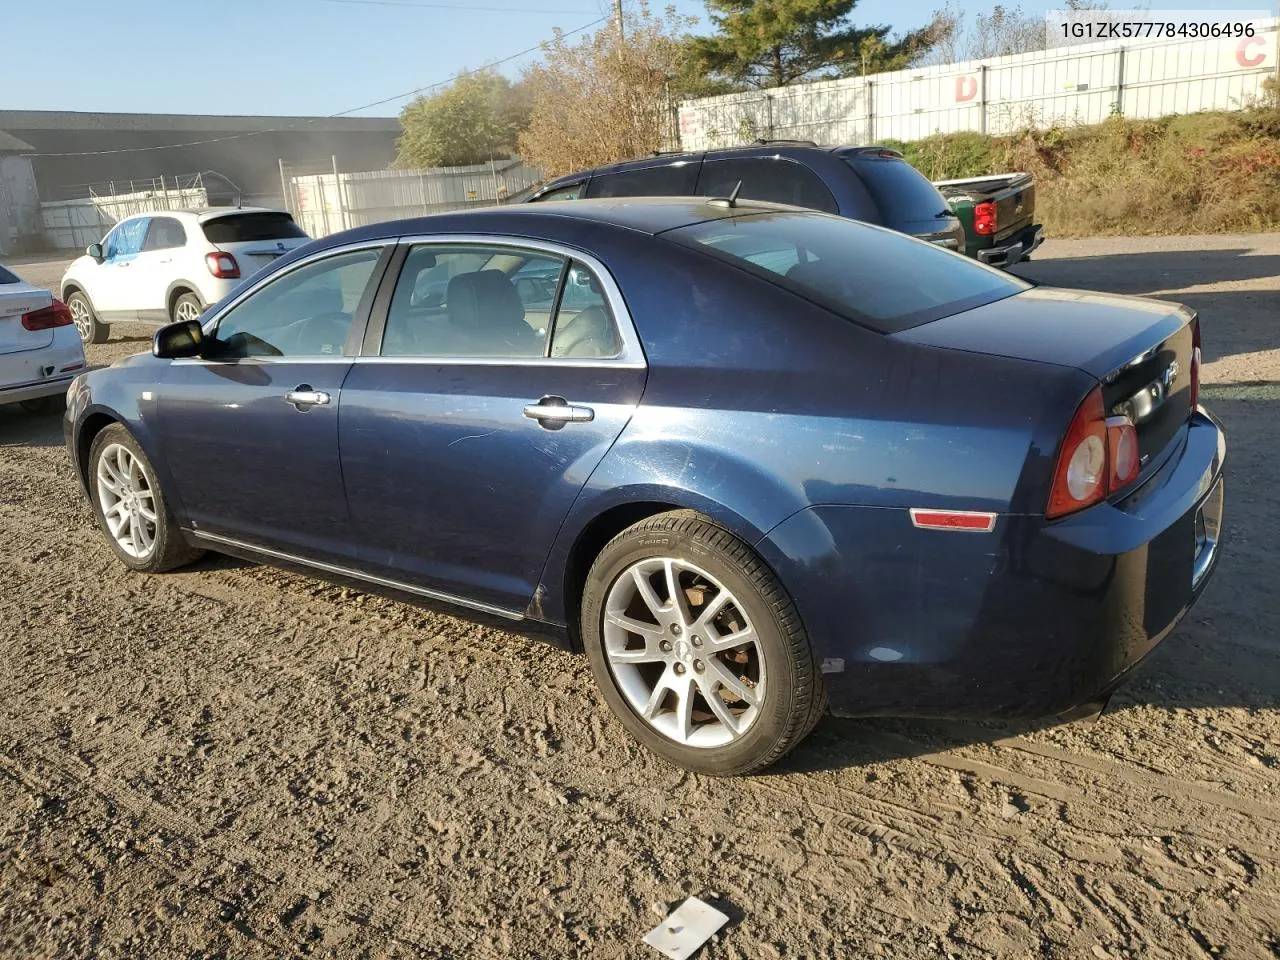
(90, 328)
(130, 506)
(697, 647)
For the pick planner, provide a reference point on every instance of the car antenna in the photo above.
(731, 201)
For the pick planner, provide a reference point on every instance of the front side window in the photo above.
(126, 239)
(468, 301)
(307, 312)
(771, 179)
(878, 278)
(165, 233)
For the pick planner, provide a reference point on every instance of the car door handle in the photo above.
(304, 396)
(555, 412)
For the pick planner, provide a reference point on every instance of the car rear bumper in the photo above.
(1032, 619)
(1021, 247)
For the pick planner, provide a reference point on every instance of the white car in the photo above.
(171, 265)
(40, 353)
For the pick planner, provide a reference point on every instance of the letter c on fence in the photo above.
(967, 88)
(1242, 52)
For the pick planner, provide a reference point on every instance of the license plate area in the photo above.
(1208, 532)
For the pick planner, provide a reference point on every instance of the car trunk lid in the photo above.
(1014, 196)
(17, 299)
(1139, 350)
(254, 238)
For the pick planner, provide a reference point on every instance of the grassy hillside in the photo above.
(1199, 173)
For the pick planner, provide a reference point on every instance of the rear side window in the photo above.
(248, 227)
(7, 277)
(900, 190)
(671, 180)
(773, 180)
(165, 233)
(878, 278)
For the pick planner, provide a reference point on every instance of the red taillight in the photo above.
(1099, 456)
(56, 314)
(984, 218)
(222, 265)
(1195, 364)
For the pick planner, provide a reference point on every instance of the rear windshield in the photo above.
(6, 276)
(248, 227)
(900, 190)
(878, 278)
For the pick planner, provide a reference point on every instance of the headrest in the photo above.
(485, 299)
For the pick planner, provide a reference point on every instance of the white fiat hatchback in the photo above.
(170, 265)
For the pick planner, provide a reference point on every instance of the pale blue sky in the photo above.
(314, 57)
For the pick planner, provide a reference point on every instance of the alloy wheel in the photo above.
(81, 317)
(127, 498)
(186, 310)
(683, 652)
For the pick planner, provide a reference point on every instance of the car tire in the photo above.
(186, 307)
(90, 328)
(664, 691)
(120, 473)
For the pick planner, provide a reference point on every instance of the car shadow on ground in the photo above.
(1145, 273)
(21, 429)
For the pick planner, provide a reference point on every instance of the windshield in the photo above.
(875, 277)
(900, 190)
(250, 227)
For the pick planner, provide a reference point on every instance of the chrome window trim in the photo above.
(632, 355)
(355, 574)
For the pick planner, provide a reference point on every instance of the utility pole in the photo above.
(617, 16)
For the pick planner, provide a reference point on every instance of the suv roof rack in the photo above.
(796, 143)
(667, 153)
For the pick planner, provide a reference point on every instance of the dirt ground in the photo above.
(232, 761)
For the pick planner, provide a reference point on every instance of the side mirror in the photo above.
(95, 251)
(177, 340)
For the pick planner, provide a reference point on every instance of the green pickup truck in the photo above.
(998, 215)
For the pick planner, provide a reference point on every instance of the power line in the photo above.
(412, 4)
(331, 116)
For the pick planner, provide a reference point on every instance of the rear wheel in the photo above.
(697, 648)
(187, 307)
(131, 507)
(90, 328)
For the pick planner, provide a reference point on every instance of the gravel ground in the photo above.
(232, 761)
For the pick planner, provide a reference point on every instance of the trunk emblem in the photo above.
(1170, 374)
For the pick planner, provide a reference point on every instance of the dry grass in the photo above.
(1200, 173)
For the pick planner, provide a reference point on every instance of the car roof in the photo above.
(768, 148)
(203, 214)
(648, 215)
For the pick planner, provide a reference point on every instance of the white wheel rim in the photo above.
(127, 498)
(80, 317)
(683, 652)
(187, 311)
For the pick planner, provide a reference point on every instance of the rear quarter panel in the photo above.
(759, 405)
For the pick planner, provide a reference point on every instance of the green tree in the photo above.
(476, 118)
(773, 43)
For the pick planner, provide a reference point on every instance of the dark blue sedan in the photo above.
(751, 460)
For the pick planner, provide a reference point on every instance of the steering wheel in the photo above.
(306, 337)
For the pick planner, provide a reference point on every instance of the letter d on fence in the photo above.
(966, 88)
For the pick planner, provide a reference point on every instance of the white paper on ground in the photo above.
(686, 928)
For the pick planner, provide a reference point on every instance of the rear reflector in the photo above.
(953, 520)
(55, 315)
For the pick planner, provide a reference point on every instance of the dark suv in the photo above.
(872, 184)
